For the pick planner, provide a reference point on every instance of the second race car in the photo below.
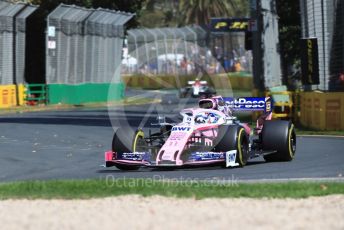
(196, 89)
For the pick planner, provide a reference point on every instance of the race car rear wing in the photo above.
(201, 82)
(250, 103)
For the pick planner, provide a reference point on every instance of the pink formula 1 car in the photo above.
(207, 135)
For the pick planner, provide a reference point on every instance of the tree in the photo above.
(289, 35)
(131, 6)
(159, 13)
(200, 11)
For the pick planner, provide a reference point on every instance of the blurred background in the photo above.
(75, 51)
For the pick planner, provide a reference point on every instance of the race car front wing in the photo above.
(195, 158)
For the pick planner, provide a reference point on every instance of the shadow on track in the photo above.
(78, 118)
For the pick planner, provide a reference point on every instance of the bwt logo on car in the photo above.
(248, 103)
(179, 128)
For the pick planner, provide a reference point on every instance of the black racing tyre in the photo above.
(123, 142)
(212, 91)
(233, 137)
(279, 136)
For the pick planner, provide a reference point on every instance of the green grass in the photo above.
(308, 131)
(85, 189)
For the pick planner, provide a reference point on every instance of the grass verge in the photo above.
(300, 130)
(85, 189)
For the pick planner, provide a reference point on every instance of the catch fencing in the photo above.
(186, 50)
(84, 45)
(229, 50)
(13, 41)
(162, 50)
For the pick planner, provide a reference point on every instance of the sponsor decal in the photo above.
(181, 129)
(243, 25)
(309, 61)
(268, 106)
(247, 103)
(135, 156)
(230, 24)
(179, 133)
(177, 136)
(202, 156)
(230, 158)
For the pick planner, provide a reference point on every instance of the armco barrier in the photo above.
(8, 96)
(21, 94)
(170, 81)
(323, 111)
(36, 93)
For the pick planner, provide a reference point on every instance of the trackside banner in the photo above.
(250, 103)
(229, 24)
(309, 61)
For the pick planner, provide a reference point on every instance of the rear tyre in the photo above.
(211, 92)
(123, 142)
(233, 137)
(281, 137)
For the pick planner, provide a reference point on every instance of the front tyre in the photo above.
(123, 142)
(279, 136)
(233, 137)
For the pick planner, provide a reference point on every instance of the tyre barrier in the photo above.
(9, 97)
(322, 111)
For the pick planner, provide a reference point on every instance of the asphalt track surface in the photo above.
(70, 144)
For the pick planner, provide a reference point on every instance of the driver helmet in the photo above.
(200, 119)
(213, 118)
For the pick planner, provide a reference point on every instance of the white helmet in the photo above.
(199, 119)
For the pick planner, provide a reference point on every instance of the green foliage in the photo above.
(131, 6)
(158, 13)
(200, 11)
(289, 33)
(150, 5)
(149, 18)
